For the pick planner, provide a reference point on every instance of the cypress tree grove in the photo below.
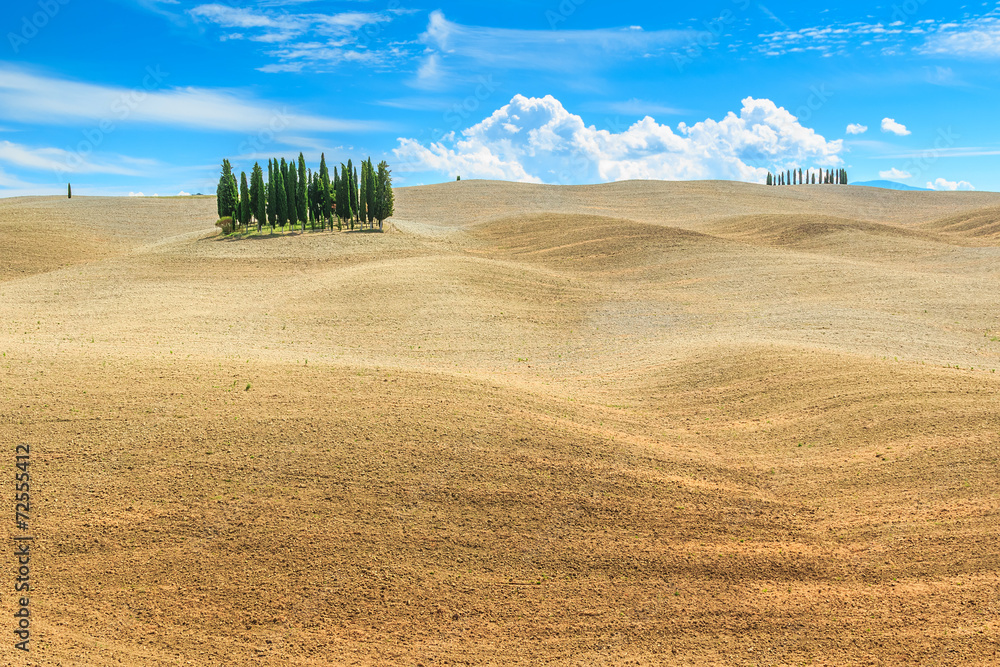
(301, 196)
(244, 200)
(228, 196)
(280, 198)
(258, 196)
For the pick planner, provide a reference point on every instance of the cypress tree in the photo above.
(280, 198)
(343, 196)
(311, 191)
(363, 197)
(384, 199)
(271, 210)
(324, 191)
(301, 197)
(258, 198)
(336, 198)
(244, 200)
(291, 177)
(357, 206)
(228, 195)
(372, 189)
(352, 198)
(69, 191)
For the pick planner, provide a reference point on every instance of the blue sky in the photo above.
(129, 96)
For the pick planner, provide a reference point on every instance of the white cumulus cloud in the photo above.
(943, 184)
(537, 140)
(890, 125)
(857, 128)
(895, 174)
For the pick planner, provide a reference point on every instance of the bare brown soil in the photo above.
(634, 424)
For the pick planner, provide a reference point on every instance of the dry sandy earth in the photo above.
(634, 424)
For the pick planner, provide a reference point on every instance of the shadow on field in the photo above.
(267, 236)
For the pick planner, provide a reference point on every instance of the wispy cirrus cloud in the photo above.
(967, 37)
(30, 97)
(304, 40)
(975, 38)
(62, 161)
(549, 50)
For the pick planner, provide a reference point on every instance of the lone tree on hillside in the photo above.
(228, 195)
(69, 191)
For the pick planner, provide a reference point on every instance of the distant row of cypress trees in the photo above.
(294, 195)
(809, 177)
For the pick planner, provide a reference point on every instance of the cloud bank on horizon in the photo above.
(536, 140)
